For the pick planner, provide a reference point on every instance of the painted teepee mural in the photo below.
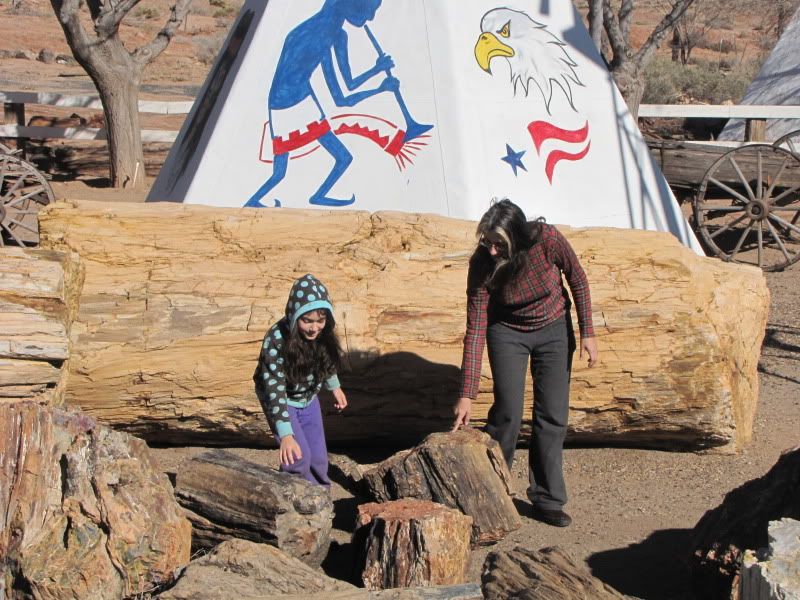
(421, 106)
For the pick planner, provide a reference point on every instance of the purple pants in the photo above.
(309, 433)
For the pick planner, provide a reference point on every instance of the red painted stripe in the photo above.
(541, 131)
(558, 155)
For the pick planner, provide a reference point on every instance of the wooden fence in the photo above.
(15, 125)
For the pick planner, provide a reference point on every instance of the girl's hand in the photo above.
(290, 450)
(589, 345)
(339, 399)
(462, 410)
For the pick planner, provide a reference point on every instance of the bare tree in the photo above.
(595, 18)
(627, 66)
(117, 73)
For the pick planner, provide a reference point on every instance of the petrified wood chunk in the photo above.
(464, 591)
(547, 574)
(177, 299)
(406, 543)
(741, 522)
(38, 298)
(463, 470)
(248, 571)
(228, 497)
(84, 510)
(773, 573)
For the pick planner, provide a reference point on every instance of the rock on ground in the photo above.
(84, 511)
(773, 573)
(464, 470)
(246, 570)
(741, 522)
(407, 543)
(226, 497)
(547, 574)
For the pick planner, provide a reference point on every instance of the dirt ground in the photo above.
(633, 509)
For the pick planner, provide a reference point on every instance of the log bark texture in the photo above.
(549, 573)
(408, 543)
(84, 510)
(177, 299)
(229, 497)
(773, 573)
(38, 299)
(464, 470)
(740, 523)
(248, 571)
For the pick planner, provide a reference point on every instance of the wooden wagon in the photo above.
(744, 197)
(23, 191)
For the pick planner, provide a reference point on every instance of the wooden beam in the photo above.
(719, 111)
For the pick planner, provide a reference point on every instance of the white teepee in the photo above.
(777, 83)
(418, 105)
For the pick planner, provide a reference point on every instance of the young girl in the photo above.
(517, 304)
(300, 353)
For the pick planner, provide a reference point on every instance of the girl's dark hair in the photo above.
(504, 220)
(321, 357)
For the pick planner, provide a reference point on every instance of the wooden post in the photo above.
(755, 130)
(14, 112)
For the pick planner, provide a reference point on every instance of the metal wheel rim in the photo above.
(23, 191)
(790, 142)
(751, 220)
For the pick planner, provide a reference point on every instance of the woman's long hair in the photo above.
(506, 221)
(321, 357)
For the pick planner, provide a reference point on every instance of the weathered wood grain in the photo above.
(177, 298)
(38, 299)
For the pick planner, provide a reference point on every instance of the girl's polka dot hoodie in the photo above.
(307, 294)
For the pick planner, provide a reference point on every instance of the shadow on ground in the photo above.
(655, 568)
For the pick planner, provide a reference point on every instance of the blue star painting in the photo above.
(514, 159)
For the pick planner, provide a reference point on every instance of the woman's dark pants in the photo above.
(550, 350)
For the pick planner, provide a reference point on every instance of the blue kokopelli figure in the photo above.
(293, 106)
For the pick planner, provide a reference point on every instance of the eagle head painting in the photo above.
(533, 53)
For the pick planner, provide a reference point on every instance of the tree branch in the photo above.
(106, 24)
(619, 49)
(642, 56)
(625, 18)
(152, 50)
(68, 12)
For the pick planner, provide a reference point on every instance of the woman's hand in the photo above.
(589, 345)
(290, 450)
(462, 410)
(339, 399)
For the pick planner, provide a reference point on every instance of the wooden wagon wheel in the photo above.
(790, 142)
(751, 219)
(23, 191)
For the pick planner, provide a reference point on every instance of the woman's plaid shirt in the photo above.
(534, 298)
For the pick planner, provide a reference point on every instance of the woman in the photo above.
(517, 304)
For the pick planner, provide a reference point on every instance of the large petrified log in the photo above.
(741, 522)
(773, 573)
(84, 510)
(549, 573)
(248, 571)
(227, 497)
(463, 470)
(407, 543)
(38, 300)
(177, 298)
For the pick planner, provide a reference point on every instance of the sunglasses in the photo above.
(488, 244)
